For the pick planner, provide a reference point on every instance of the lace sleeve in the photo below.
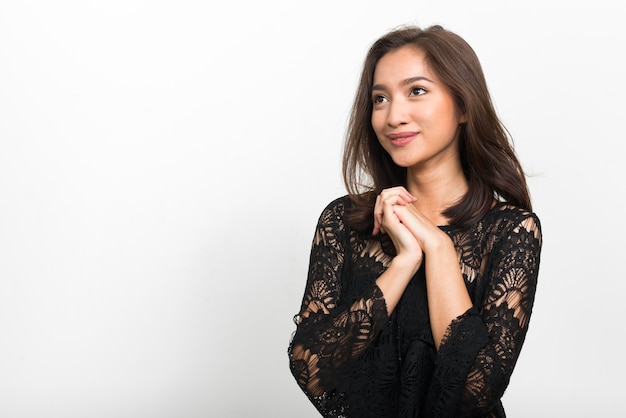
(480, 348)
(330, 333)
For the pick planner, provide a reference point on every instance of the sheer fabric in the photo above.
(353, 360)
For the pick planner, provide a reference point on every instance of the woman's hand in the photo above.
(395, 214)
(386, 221)
(428, 235)
(398, 195)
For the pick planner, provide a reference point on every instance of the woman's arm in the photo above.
(480, 348)
(447, 294)
(330, 332)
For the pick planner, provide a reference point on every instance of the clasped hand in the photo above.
(412, 233)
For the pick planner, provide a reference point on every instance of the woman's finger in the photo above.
(399, 196)
(399, 191)
(378, 216)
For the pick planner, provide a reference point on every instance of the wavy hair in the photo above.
(488, 159)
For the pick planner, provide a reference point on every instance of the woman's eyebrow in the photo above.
(414, 79)
(404, 82)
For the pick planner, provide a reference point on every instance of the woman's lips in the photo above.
(402, 138)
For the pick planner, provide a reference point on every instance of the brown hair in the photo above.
(488, 159)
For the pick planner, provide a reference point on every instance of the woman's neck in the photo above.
(436, 190)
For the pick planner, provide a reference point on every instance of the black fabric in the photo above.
(353, 360)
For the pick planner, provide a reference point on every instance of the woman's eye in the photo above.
(417, 91)
(379, 99)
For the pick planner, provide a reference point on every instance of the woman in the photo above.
(421, 283)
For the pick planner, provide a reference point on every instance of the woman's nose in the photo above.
(397, 114)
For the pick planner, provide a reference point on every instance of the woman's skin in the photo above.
(417, 122)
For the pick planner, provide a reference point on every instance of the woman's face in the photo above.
(414, 115)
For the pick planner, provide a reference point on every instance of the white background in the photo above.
(163, 164)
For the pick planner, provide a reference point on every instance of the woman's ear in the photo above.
(462, 111)
(463, 117)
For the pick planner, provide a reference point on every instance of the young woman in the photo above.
(422, 279)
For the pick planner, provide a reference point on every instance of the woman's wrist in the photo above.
(406, 263)
(440, 241)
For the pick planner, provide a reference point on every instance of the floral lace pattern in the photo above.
(353, 360)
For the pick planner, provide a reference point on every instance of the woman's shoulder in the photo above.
(512, 213)
(504, 217)
(339, 203)
(336, 208)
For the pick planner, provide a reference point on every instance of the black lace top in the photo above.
(353, 360)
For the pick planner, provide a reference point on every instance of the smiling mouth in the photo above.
(401, 135)
(402, 138)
